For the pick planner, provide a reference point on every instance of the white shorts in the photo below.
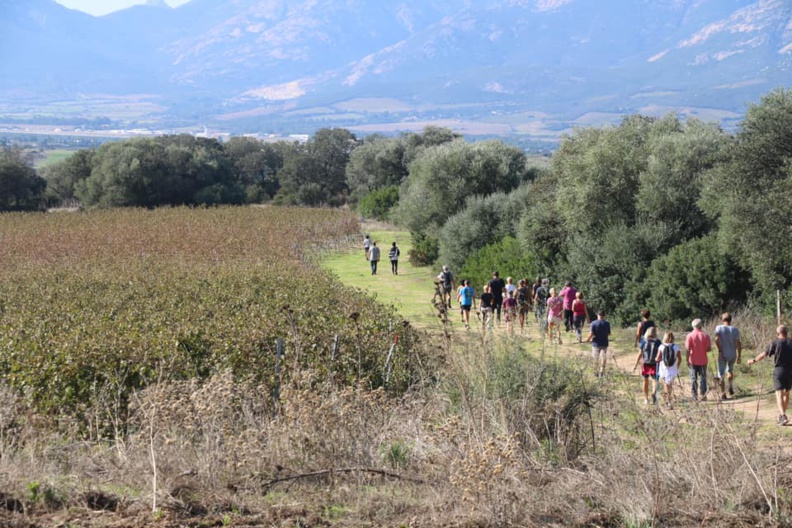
(597, 352)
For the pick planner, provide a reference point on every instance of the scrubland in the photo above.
(141, 386)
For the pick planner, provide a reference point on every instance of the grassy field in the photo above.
(52, 157)
(410, 291)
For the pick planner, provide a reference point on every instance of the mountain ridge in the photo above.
(250, 63)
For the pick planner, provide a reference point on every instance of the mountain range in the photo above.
(529, 68)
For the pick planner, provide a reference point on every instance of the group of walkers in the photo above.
(659, 356)
(373, 255)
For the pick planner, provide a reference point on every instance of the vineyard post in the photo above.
(778, 306)
(276, 392)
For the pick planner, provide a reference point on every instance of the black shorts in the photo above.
(782, 379)
(465, 307)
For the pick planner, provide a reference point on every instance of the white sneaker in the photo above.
(646, 401)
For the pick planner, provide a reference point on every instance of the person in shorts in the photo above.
(599, 335)
(485, 305)
(555, 315)
(727, 340)
(781, 352)
(367, 245)
(667, 372)
(645, 324)
(647, 358)
(466, 300)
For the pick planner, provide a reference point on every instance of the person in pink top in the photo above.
(555, 308)
(568, 294)
(697, 345)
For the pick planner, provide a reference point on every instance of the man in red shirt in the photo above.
(568, 294)
(697, 345)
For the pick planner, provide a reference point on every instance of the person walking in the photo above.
(467, 300)
(781, 352)
(599, 337)
(447, 284)
(393, 255)
(647, 358)
(555, 311)
(645, 324)
(534, 288)
(540, 302)
(497, 286)
(579, 315)
(669, 357)
(510, 311)
(367, 245)
(485, 305)
(697, 344)
(523, 302)
(568, 294)
(374, 257)
(727, 340)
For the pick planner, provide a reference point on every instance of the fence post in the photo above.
(778, 306)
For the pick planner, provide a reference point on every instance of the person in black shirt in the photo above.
(486, 307)
(781, 352)
(497, 285)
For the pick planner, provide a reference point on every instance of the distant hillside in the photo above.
(524, 67)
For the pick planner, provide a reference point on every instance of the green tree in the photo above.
(377, 204)
(256, 165)
(21, 188)
(378, 163)
(62, 177)
(484, 220)
(748, 194)
(695, 279)
(505, 256)
(322, 163)
(443, 177)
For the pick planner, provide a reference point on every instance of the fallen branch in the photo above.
(344, 470)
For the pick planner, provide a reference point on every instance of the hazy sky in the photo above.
(102, 7)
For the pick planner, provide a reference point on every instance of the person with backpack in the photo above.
(647, 358)
(669, 357)
(374, 257)
(393, 255)
(447, 284)
(523, 302)
(645, 324)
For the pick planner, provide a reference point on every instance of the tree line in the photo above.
(675, 214)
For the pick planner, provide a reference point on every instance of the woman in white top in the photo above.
(668, 359)
(510, 287)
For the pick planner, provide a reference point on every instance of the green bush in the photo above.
(695, 279)
(425, 249)
(377, 204)
(505, 256)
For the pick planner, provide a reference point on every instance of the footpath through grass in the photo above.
(411, 291)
